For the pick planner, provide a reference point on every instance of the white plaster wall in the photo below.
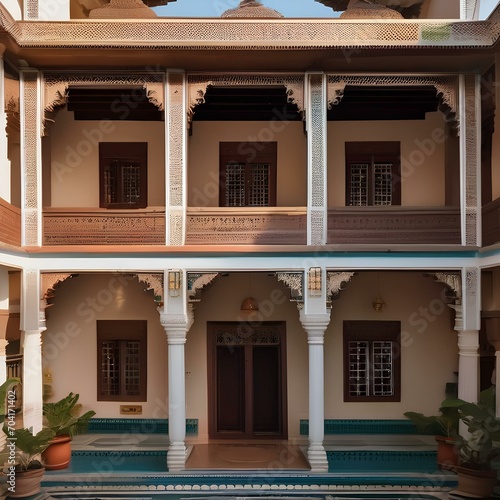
(13, 8)
(203, 172)
(70, 341)
(422, 156)
(429, 355)
(222, 302)
(53, 10)
(75, 157)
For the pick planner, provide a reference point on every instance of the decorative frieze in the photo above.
(294, 281)
(334, 283)
(153, 281)
(196, 282)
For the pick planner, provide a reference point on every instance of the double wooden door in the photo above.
(247, 380)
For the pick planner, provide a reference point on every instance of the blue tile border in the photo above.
(363, 427)
(137, 425)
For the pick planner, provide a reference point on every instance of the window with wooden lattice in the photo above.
(372, 361)
(373, 174)
(248, 174)
(121, 360)
(123, 174)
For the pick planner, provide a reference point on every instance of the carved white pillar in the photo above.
(176, 328)
(3, 360)
(176, 157)
(317, 207)
(30, 9)
(470, 158)
(469, 10)
(315, 326)
(31, 159)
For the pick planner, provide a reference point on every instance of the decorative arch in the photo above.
(56, 88)
(198, 84)
(446, 89)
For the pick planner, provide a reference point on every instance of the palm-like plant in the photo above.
(29, 446)
(64, 418)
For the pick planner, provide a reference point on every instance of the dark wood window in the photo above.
(372, 361)
(373, 174)
(248, 174)
(121, 360)
(123, 174)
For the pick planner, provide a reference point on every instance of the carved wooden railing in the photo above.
(247, 226)
(394, 225)
(103, 227)
(10, 223)
(491, 223)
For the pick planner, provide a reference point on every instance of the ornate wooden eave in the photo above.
(186, 42)
(408, 11)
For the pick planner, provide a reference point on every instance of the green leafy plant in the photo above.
(63, 416)
(5, 388)
(481, 445)
(29, 446)
(445, 424)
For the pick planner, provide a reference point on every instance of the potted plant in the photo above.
(65, 419)
(445, 428)
(25, 472)
(479, 446)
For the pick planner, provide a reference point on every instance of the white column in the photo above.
(315, 326)
(3, 360)
(5, 172)
(316, 122)
(32, 325)
(468, 365)
(177, 319)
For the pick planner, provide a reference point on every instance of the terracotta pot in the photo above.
(27, 483)
(476, 483)
(58, 454)
(447, 453)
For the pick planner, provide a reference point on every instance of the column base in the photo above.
(176, 457)
(316, 455)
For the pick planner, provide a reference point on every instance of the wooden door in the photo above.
(247, 380)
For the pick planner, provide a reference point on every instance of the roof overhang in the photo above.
(251, 45)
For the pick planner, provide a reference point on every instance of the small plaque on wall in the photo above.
(130, 409)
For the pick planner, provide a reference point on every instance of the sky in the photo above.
(214, 8)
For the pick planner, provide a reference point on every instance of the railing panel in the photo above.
(491, 223)
(252, 226)
(394, 225)
(103, 227)
(10, 224)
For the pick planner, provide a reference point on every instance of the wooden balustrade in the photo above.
(394, 225)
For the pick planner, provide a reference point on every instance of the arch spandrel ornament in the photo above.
(153, 281)
(446, 89)
(196, 282)
(198, 85)
(56, 87)
(335, 283)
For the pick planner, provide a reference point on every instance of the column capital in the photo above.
(176, 326)
(315, 326)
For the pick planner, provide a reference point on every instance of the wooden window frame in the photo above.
(370, 331)
(136, 152)
(371, 153)
(123, 330)
(248, 153)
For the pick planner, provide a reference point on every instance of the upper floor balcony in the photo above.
(244, 173)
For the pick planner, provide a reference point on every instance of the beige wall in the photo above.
(439, 9)
(422, 156)
(203, 187)
(495, 154)
(70, 341)
(75, 158)
(429, 353)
